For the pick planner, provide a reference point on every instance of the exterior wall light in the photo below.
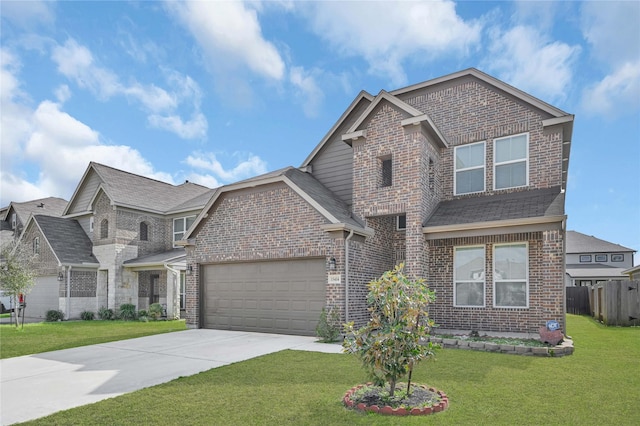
(332, 264)
(60, 276)
(190, 269)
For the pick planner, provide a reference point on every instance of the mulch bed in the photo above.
(422, 400)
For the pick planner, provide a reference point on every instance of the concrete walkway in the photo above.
(34, 386)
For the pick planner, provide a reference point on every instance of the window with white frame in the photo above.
(511, 275)
(401, 222)
(36, 245)
(183, 291)
(469, 276)
(511, 158)
(469, 168)
(14, 221)
(180, 226)
(91, 224)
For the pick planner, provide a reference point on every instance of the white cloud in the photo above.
(63, 93)
(247, 167)
(525, 58)
(618, 91)
(28, 13)
(611, 28)
(386, 34)
(196, 128)
(230, 34)
(307, 90)
(77, 63)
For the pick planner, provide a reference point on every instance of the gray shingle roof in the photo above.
(516, 205)
(323, 196)
(581, 243)
(157, 258)
(67, 239)
(144, 193)
(50, 206)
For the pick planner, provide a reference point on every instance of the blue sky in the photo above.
(214, 92)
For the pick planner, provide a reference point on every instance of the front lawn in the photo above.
(597, 385)
(51, 336)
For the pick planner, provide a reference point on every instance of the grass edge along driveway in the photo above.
(597, 385)
(51, 336)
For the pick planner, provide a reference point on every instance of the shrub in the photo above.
(392, 341)
(54, 315)
(127, 312)
(155, 311)
(328, 328)
(87, 316)
(142, 313)
(105, 313)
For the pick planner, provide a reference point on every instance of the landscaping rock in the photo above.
(552, 337)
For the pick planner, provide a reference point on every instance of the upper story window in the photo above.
(14, 221)
(180, 226)
(585, 258)
(104, 229)
(36, 245)
(469, 168)
(617, 257)
(511, 158)
(469, 276)
(511, 276)
(144, 231)
(91, 224)
(601, 257)
(387, 171)
(431, 174)
(401, 222)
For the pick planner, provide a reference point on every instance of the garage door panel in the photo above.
(274, 296)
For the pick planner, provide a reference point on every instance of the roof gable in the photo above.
(414, 117)
(50, 206)
(305, 185)
(133, 191)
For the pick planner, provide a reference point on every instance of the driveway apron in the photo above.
(34, 386)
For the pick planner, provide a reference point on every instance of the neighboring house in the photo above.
(461, 177)
(115, 243)
(633, 273)
(14, 216)
(591, 260)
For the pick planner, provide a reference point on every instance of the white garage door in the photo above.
(42, 297)
(283, 297)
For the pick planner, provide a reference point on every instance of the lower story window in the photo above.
(469, 276)
(511, 272)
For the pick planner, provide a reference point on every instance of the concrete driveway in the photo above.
(34, 386)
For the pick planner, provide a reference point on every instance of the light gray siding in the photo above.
(85, 194)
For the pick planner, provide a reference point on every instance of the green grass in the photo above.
(51, 336)
(6, 315)
(598, 385)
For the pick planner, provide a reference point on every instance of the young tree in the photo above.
(16, 273)
(394, 338)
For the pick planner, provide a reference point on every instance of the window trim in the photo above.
(585, 258)
(91, 224)
(184, 231)
(484, 280)
(484, 168)
(14, 221)
(601, 258)
(526, 279)
(104, 229)
(526, 161)
(36, 245)
(143, 225)
(617, 257)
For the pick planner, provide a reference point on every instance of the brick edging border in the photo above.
(564, 348)
(399, 411)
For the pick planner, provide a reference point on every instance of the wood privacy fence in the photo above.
(615, 302)
(578, 301)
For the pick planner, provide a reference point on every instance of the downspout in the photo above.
(68, 279)
(346, 276)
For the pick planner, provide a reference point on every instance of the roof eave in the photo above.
(493, 224)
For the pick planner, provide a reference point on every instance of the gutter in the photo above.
(346, 276)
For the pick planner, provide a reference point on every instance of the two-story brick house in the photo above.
(114, 244)
(462, 177)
